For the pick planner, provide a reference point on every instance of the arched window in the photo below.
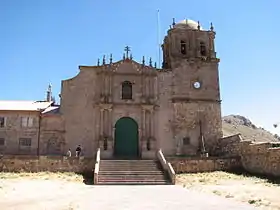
(126, 90)
(202, 49)
(183, 47)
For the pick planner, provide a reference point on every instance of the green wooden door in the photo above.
(126, 138)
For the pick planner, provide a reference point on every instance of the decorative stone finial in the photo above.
(198, 25)
(211, 26)
(124, 56)
(155, 65)
(104, 60)
(131, 56)
(111, 58)
(151, 62)
(98, 62)
(143, 60)
(49, 93)
(173, 24)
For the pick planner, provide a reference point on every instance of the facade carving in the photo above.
(169, 108)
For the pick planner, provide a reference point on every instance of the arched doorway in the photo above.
(126, 138)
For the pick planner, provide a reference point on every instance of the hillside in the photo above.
(233, 124)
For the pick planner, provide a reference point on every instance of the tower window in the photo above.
(202, 49)
(126, 90)
(183, 47)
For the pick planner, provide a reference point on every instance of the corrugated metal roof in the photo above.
(51, 110)
(24, 105)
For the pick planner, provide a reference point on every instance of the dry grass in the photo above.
(71, 177)
(256, 191)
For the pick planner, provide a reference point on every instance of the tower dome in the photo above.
(187, 24)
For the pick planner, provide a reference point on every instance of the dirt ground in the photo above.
(65, 190)
(22, 190)
(258, 192)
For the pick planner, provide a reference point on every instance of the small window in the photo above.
(2, 141)
(186, 140)
(202, 49)
(2, 122)
(126, 90)
(26, 122)
(25, 142)
(183, 47)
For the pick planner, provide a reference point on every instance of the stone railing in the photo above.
(96, 168)
(166, 166)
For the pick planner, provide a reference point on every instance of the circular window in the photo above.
(196, 85)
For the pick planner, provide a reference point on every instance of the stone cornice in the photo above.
(189, 100)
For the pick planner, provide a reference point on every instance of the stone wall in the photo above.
(13, 131)
(261, 158)
(194, 165)
(25, 163)
(52, 136)
(228, 146)
(257, 158)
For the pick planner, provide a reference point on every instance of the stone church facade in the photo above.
(131, 109)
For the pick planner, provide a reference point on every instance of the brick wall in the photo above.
(25, 163)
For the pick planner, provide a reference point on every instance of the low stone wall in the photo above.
(228, 146)
(194, 165)
(257, 158)
(24, 163)
(261, 158)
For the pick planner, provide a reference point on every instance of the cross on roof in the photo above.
(127, 50)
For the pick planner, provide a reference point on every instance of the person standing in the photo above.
(69, 154)
(78, 151)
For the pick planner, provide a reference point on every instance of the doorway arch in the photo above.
(126, 138)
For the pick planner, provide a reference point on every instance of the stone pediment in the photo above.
(127, 66)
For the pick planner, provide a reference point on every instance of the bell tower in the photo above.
(190, 58)
(187, 40)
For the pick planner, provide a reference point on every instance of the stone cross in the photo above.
(127, 50)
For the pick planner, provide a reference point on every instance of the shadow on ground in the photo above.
(88, 177)
(270, 179)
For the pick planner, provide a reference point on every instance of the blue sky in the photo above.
(43, 42)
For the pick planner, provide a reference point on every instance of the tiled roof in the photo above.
(24, 105)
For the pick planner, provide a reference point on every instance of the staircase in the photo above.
(124, 172)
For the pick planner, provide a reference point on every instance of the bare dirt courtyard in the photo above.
(61, 191)
(256, 191)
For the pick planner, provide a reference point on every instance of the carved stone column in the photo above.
(101, 121)
(152, 123)
(110, 122)
(143, 123)
(212, 45)
(110, 88)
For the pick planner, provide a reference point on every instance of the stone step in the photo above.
(117, 179)
(128, 164)
(111, 182)
(131, 166)
(133, 176)
(131, 172)
(128, 169)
